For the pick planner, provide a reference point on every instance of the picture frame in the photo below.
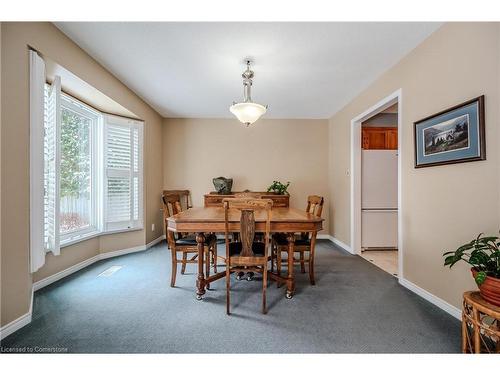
(455, 135)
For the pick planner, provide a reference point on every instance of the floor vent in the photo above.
(110, 271)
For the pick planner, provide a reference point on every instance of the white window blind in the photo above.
(52, 166)
(37, 112)
(122, 173)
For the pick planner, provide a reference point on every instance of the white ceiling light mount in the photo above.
(247, 111)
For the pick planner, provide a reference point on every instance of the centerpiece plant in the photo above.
(278, 187)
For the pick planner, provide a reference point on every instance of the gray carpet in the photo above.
(355, 308)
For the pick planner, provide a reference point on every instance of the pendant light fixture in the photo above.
(247, 111)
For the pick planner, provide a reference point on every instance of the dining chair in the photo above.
(185, 243)
(183, 201)
(304, 243)
(184, 194)
(247, 254)
(259, 236)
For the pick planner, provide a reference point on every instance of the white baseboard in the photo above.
(341, 244)
(156, 241)
(324, 237)
(26, 318)
(66, 272)
(77, 267)
(18, 323)
(442, 304)
(117, 253)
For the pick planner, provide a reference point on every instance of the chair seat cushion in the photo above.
(258, 248)
(281, 240)
(190, 240)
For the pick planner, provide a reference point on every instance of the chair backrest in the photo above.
(171, 204)
(184, 195)
(315, 205)
(247, 208)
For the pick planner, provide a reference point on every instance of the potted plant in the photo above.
(483, 255)
(278, 188)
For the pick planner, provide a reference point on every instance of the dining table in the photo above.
(205, 220)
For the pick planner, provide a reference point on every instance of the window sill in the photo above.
(90, 235)
(83, 237)
(121, 231)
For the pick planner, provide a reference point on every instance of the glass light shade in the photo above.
(247, 112)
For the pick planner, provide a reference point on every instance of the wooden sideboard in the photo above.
(215, 200)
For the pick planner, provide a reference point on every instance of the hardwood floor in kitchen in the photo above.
(387, 260)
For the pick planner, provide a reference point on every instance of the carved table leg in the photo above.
(278, 265)
(200, 282)
(290, 283)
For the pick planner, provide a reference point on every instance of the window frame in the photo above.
(98, 171)
(115, 120)
(95, 228)
(41, 89)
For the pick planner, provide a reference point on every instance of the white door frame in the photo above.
(395, 97)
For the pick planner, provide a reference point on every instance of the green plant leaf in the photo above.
(450, 260)
(489, 239)
(482, 253)
(478, 257)
(278, 187)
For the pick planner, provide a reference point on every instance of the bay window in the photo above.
(93, 171)
(86, 169)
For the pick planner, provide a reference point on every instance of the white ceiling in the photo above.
(302, 70)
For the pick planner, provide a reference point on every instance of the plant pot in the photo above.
(223, 185)
(490, 289)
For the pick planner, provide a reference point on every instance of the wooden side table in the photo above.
(480, 325)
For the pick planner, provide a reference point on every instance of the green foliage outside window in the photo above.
(75, 154)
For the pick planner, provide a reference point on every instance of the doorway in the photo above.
(376, 213)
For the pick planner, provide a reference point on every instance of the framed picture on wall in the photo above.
(455, 135)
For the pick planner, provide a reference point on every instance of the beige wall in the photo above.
(443, 206)
(16, 280)
(196, 150)
(1, 280)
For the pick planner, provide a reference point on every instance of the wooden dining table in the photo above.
(201, 220)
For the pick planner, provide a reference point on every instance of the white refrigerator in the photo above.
(379, 199)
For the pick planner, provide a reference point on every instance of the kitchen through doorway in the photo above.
(379, 189)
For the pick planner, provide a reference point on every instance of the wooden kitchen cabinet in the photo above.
(379, 138)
